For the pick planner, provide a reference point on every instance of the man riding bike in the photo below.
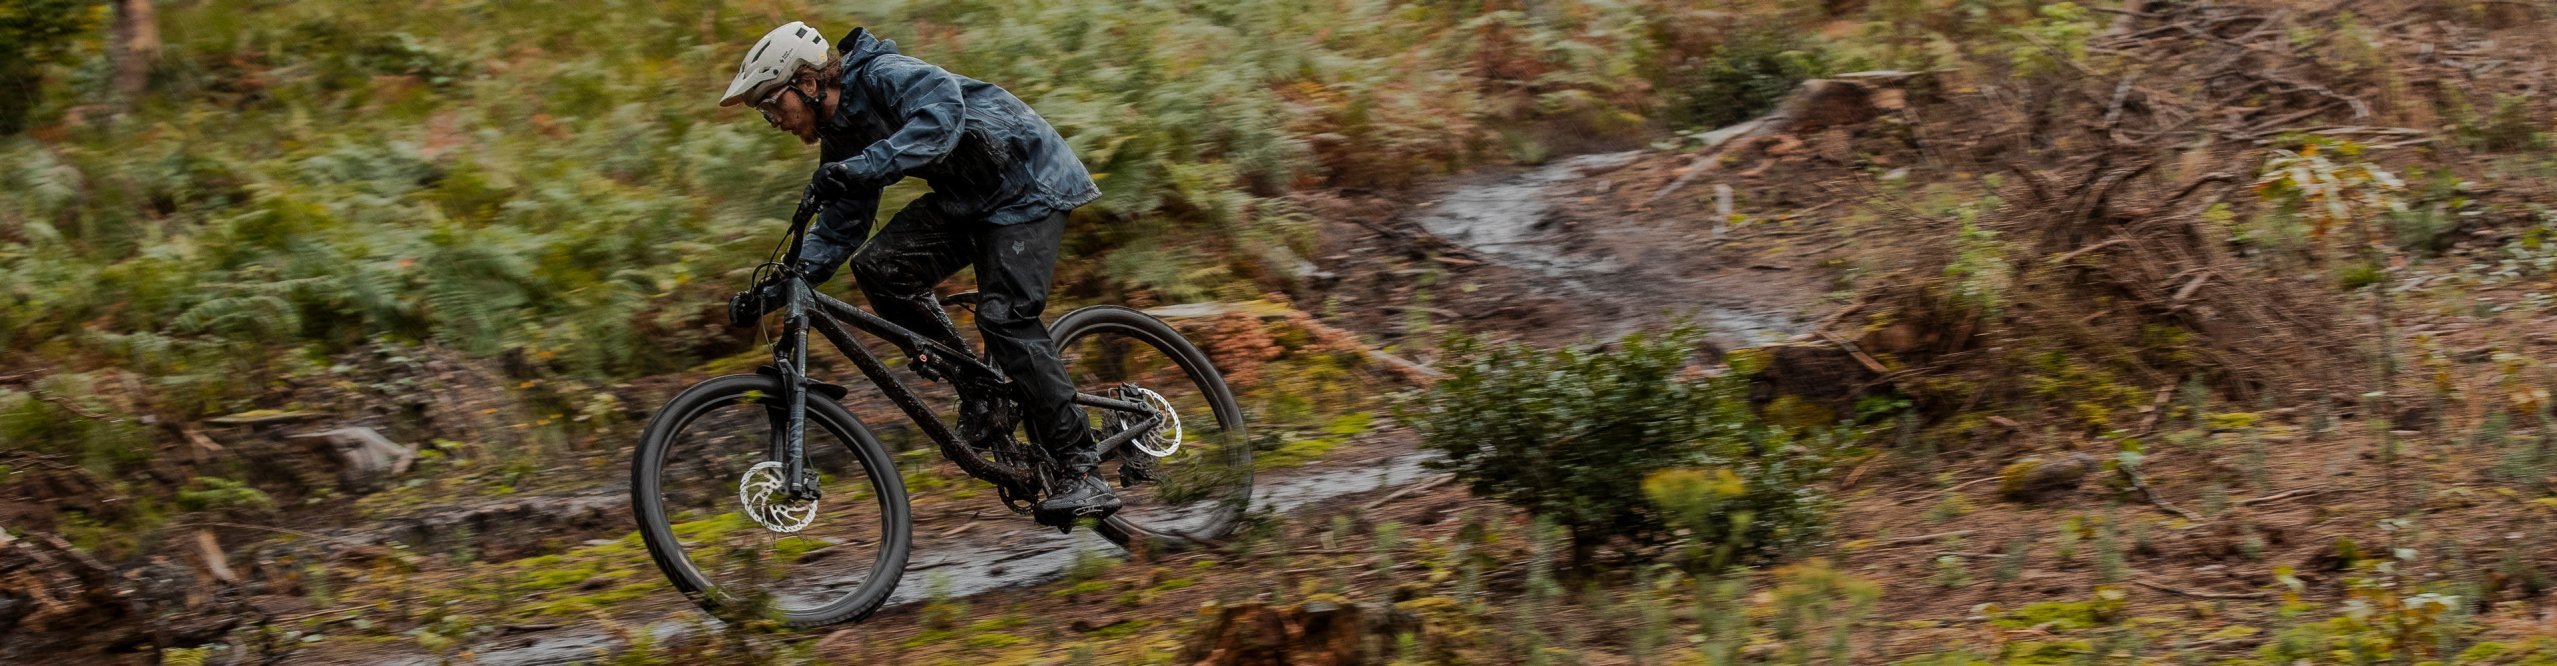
(1003, 182)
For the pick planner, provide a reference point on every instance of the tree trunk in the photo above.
(136, 49)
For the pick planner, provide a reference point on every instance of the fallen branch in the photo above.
(1970, 483)
(1406, 491)
(2184, 295)
(1717, 142)
(1858, 472)
(2203, 595)
(1866, 360)
(2157, 410)
(216, 562)
(1824, 248)
(1923, 538)
(402, 558)
(2064, 257)
(2132, 474)
(2276, 497)
(1841, 313)
(1404, 364)
(68, 406)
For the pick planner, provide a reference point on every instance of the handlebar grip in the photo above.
(745, 309)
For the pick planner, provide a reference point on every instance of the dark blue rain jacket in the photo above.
(986, 154)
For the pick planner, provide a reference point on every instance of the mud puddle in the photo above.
(1028, 554)
(1638, 267)
(953, 567)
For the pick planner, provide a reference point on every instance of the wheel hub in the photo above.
(766, 499)
(1166, 437)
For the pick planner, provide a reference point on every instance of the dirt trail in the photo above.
(1014, 553)
(1541, 238)
(1626, 270)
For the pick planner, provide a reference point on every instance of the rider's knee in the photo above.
(877, 273)
(998, 311)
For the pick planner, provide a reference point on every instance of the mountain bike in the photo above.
(761, 496)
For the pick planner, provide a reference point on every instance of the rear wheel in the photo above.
(1188, 482)
(710, 508)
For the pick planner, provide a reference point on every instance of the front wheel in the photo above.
(710, 507)
(1187, 482)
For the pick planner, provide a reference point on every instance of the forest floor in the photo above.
(1457, 259)
(2201, 522)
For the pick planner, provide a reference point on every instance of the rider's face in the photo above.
(790, 112)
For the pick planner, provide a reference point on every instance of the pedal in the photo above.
(1065, 522)
(1135, 467)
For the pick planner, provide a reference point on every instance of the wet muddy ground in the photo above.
(1547, 253)
(1577, 251)
(1629, 270)
(1013, 553)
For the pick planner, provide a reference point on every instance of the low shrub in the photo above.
(1573, 434)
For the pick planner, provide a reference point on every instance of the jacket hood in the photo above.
(860, 47)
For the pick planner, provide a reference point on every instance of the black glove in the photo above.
(747, 308)
(833, 180)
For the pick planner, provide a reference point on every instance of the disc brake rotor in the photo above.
(766, 499)
(1166, 437)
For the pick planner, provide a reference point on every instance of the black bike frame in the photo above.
(803, 308)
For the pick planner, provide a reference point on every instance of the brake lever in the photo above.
(807, 206)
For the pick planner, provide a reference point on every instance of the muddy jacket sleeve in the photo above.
(928, 108)
(842, 225)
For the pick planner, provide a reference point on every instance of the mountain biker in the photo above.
(1002, 181)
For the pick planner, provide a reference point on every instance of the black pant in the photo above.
(921, 247)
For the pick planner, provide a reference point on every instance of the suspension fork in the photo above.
(790, 356)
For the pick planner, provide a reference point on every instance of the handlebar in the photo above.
(799, 227)
(747, 307)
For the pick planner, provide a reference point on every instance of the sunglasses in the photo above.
(765, 106)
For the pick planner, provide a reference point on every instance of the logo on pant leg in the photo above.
(1016, 247)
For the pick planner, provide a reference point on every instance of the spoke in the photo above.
(742, 536)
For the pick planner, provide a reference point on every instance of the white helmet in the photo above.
(776, 58)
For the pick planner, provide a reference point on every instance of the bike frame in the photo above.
(803, 308)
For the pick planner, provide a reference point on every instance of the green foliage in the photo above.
(1746, 76)
(1563, 433)
(547, 184)
(2382, 620)
(1817, 608)
(213, 493)
(2328, 182)
(34, 35)
(2056, 36)
(2511, 125)
(2438, 204)
(60, 417)
(2105, 607)
(1980, 276)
